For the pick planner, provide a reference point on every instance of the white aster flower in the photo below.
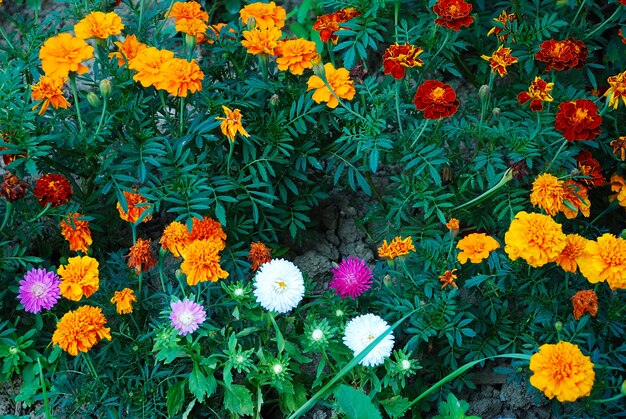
(279, 285)
(363, 330)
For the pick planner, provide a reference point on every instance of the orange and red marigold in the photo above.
(76, 232)
(500, 60)
(436, 99)
(140, 256)
(328, 25)
(208, 229)
(80, 330)
(448, 278)
(562, 55)
(398, 58)
(590, 168)
(619, 147)
(585, 301)
(53, 189)
(258, 255)
(453, 14)
(616, 90)
(538, 92)
(201, 262)
(578, 120)
(175, 238)
(504, 19)
(397, 247)
(136, 205)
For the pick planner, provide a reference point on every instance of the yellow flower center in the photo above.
(437, 94)
(580, 116)
(280, 286)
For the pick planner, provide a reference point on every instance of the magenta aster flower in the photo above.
(351, 278)
(186, 316)
(39, 289)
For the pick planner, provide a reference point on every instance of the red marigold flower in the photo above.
(137, 204)
(591, 168)
(453, 14)
(503, 19)
(562, 55)
(500, 60)
(578, 120)
(327, 25)
(621, 35)
(141, 257)
(538, 92)
(398, 58)
(53, 189)
(436, 99)
(12, 188)
(448, 278)
(585, 301)
(258, 255)
(619, 147)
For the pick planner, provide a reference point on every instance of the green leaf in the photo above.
(200, 385)
(355, 404)
(395, 406)
(238, 399)
(175, 398)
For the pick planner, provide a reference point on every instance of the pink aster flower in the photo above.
(351, 278)
(39, 289)
(186, 316)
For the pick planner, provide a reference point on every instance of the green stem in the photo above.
(42, 381)
(508, 175)
(7, 214)
(331, 51)
(182, 114)
(104, 109)
(424, 125)
(556, 155)
(230, 155)
(395, 17)
(611, 399)
(580, 9)
(443, 44)
(398, 106)
(604, 23)
(160, 268)
(140, 16)
(164, 21)
(263, 63)
(76, 103)
(92, 368)
(6, 38)
(41, 213)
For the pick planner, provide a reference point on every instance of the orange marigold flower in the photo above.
(265, 15)
(453, 14)
(262, 41)
(562, 370)
(578, 120)
(453, 224)
(99, 25)
(618, 185)
(76, 232)
(574, 248)
(585, 301)
(124, 300)
(79, 277)
(175, 238)
(605, 260)
(347, 14)
(547, 193)
(619, 147)
(397, 247)
(128, 50)
(538, 92)
(500, 60)
(616, 90)
(259, 254)
(136, 207)
(187, 10)
(575, 199)
(231, 124)
(201, 262)
(53, 189)
(448, 278)
(148, 63)
(476, 247)
(12, 188)
(327, 25)
(398, 58)
(208, 229)
(64, 53)
(504, 19)
(179, 76)
(590, 168)
(193, 27)
(141, 257)
(49, 90)
(621, 35)
(296, 55)
(436, 99)
(562, 55)
(340, 82)
(536, 238)
(80, 330)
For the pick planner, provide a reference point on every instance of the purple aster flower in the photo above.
(351, 278)
(186, 316)
(39, 289)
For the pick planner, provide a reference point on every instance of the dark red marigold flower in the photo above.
(53, 189)
(585, 301)
(398, 58)
(436, 99)
(590, 167)
(453, 14)
(538, 92)
(578, 120)
(327, 25)
(12, 188)
(562, 55)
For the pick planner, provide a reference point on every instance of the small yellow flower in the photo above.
(448, 278)
(339, 81)
(231, 124)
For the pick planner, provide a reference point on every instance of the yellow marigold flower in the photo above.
(193, 27)
(99, 25)
(296, 55)
(261, 41)
(338, 79)
(448, 278)
(585, 301)
(562, 370)
(453, 224)
(259, 254)
(64, 53)
(397, 247)
(619, 147)
(128, 50)
(140, 256)
(618, 184)
(148, 63)
(187, 10)
(79, 236)
(136, 208)
(575, 199)
(201, 262)
(605, 260)
(49, 90)
(80, 330)
(79, 277)
(231, 124)
(179, 76)
(574, 248)
(208, 229)
(536, 238)
(266, 15)
(548, 193)
(124, 300)
(175, 238)
(617, 89)
(476, 247)
(500, 60)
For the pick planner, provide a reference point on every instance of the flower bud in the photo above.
(190, 42)
(105, 88)
(496, 112)
(179, 275)
(251, 23)
(622, 389)
(484, 92)
(318, 66)
(93, 99)
(274, 100)
(558, 326)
